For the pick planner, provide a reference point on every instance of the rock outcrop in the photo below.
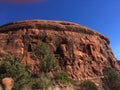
(7, 83)
(82, 52)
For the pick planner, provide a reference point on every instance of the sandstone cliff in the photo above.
(82, 52)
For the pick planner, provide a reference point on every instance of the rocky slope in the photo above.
(82, 52)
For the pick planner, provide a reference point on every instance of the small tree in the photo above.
(11, 67)
(88, 85)
(111, 80)
(47, 59)
(48, 62)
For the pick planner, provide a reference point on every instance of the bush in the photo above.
(111, 80)
(62, 77)
(41, 83)
(48, 62)
(11, 67)
(47, 59)
(88, 85)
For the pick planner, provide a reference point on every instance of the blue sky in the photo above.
(100, 15)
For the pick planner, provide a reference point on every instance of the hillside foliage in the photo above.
(11, 67)
(88, 85)
(111, 79)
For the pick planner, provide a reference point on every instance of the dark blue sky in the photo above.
(100, 15)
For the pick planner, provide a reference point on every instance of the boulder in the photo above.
(7, 83)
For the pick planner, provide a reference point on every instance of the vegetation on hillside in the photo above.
(11, 67)
(88, 85)
(47, 58)
(111, 80)
(24, 80)
(48, 63)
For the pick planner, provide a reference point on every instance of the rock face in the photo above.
(82, 52)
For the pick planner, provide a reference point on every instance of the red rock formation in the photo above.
(7, 83)
(82, 52)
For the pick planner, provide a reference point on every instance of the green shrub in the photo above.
(11, 67)
(41, 83)
(88, 85)
(48, 62)
(62, 77)
(111, 80)
(47, 59)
